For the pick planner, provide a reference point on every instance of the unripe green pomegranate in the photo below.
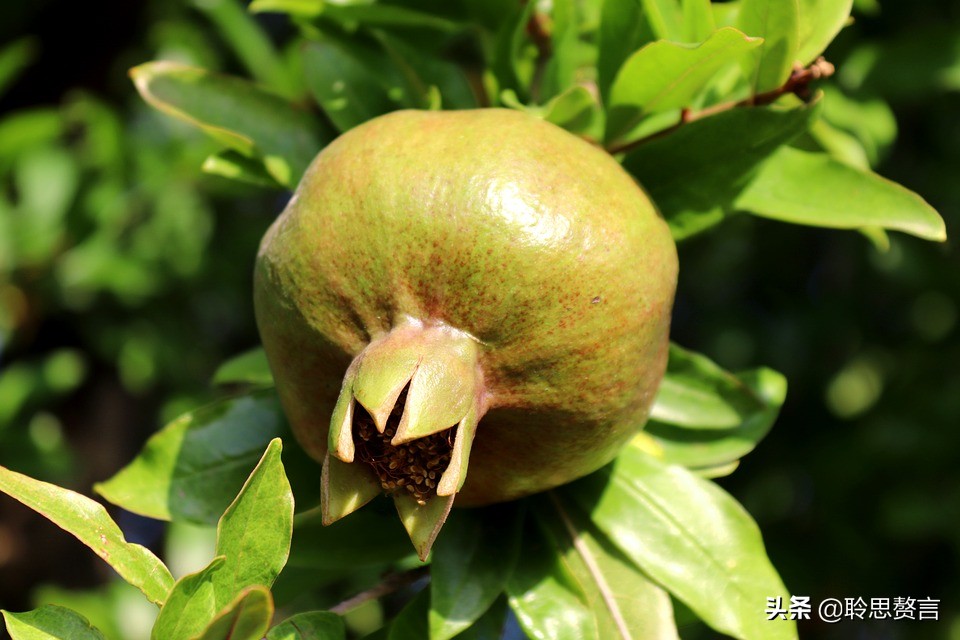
(463, 288)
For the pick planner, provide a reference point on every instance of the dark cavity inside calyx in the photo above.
(414, 467)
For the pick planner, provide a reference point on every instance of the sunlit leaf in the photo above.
(698, 20)
(246, 618)
(50, 622)
(819, 23)
(697, 393)
(250, 367)
(665, 75)
(776, 21)
(625, 603)
(255, 531)
(703, 448)
(298, 8)
(193, 468)
(691, 537)
(695, 172)
(237, 113)
(472, 559)
(545, 596)
(235, 166)
(89, 522)
(312, 625)
(191, 606)
(815, 189)
(623, 29)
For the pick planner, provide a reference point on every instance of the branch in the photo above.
(390, 583)
(798, 84)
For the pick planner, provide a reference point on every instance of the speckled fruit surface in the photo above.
(529, 241)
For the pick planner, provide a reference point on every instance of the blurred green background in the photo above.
(125, 278)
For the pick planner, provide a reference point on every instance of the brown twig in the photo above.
(798, 84)
(390, 583)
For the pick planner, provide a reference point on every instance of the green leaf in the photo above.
(695, 173)
(371, 536)
(89, 522)
(50, 622)
(623, 30)
(696, 393)
(666, 18)
(235, 166)
(14, 58)
(246, 618)
(250, 367)
(814, 189)
(347, 89)
(296, 8)
(426, 74)
(689, 536)
(490, 625)
(819, 23)
(545, 596)
(718, 448)
(193, 468)
(776, 21)
(665, 75)
(251, 44)
(626, 604)
(255, 531)
(411, 622)
(697, 20)
(236, 113)
(312, 625)
(387, 16)
(190, 607)
(472, 559)
(513, 53)
(560, 71)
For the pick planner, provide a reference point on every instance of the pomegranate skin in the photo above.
(532, 242)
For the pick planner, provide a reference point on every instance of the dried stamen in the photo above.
(410, 466)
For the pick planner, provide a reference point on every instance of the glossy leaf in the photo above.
(246, 618)
(696, 172)
(193, 468)
(235, 166)
(623, 29)
(90, 523)
(490, 626)
(545, 597)
(815, 189)
(819, 23)
(370, 536)
(50, 622)
(665, 75)
(312, 625)
(250, 367)
(191, 607)
(697, 393)
(472, 559)
(689, 536)
(236, 113)
(347, 89)
(255, 531)
(776, 21)
(704, 448)
(625, 603)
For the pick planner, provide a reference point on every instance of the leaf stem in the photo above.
(798, 84)
(390, 583)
